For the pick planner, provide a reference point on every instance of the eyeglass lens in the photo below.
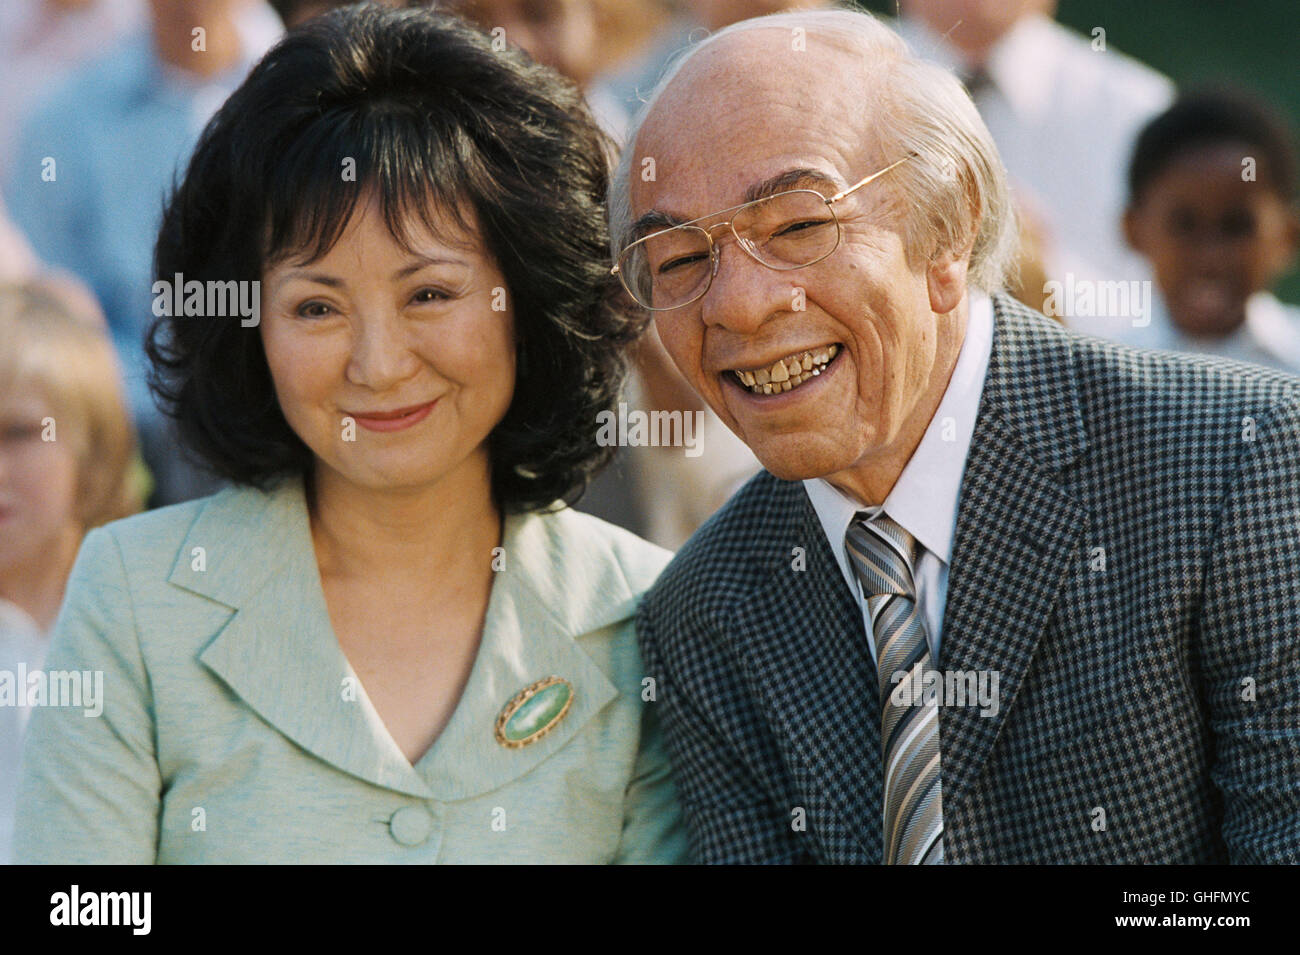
(785, 231)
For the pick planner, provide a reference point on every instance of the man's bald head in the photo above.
(771, 76)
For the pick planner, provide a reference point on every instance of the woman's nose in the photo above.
(382, 352)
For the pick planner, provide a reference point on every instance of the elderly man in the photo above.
(1004, 593)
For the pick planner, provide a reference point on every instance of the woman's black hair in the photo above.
(434, 120)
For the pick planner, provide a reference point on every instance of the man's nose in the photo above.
(744, 292)
(382, 351)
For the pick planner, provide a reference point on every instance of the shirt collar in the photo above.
(924, 498)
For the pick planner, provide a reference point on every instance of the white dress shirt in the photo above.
(1065, 117)
(924, 498)
(1270, 335)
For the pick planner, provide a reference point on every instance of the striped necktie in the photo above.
(883, 555)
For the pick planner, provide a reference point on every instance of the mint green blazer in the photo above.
(234, 730)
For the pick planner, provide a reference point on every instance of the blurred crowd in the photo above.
(1159, 217)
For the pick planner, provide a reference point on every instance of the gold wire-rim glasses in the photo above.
(740, 241)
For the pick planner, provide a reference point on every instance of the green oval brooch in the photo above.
(535, 711)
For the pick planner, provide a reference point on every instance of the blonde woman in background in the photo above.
(67, 449)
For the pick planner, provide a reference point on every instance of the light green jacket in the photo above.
(234, 731)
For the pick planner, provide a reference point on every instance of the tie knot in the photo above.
(883, 555)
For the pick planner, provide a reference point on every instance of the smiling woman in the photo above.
(389, 641)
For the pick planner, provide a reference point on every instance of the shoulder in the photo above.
(170, 525)
(733, 550)
(1127, 83)
(1191, 386)
(586, 577)
(579, 548)
(145, 549)
(1173, 416)
(1117, 373)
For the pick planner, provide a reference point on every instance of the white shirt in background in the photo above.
(1065, 118)
(1270, 335)
(40, 46)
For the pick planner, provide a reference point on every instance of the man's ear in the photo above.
(1131, 228)
(946, 280)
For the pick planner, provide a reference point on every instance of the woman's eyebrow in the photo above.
(424, 261)
(320, 278)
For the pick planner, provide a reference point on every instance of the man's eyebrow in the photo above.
(653, 221)
(790, 179)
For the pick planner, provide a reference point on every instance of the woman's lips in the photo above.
(394, 420)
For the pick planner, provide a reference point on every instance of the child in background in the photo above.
(1212, 188)
(68, 463)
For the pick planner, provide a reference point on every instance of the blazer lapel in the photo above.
(279, 654)
(1018, 530)
(800, 638)
(558, 583)
(278, 651)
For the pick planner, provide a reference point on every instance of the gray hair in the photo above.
(954, 177)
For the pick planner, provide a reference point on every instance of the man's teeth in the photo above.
(789, 372)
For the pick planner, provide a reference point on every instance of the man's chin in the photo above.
(789, 467)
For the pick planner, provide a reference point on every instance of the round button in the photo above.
(410, 825)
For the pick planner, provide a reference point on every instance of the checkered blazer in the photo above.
(1149, 703)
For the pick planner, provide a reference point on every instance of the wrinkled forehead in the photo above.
(749, 106)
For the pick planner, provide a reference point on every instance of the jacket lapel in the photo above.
(1018, 530)
(559, 583)
(800, 638)
(278, 651)
(279, 654)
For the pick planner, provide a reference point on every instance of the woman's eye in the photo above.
(314, 310)
(426, 295)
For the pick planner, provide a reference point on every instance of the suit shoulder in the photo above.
(1179, 382)
(720, 560)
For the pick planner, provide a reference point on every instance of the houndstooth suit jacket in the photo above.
(1149, 691)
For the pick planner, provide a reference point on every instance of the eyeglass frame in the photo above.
(715, 258)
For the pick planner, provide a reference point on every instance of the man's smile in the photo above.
(788, 373)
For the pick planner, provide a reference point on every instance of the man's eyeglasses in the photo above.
(788, 230)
